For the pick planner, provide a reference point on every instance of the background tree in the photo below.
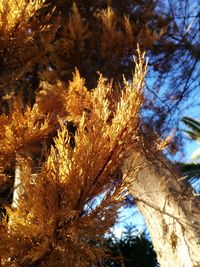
(132, 249)
(167, 30)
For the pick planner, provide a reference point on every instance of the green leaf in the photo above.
(192, 170)
(194, 125)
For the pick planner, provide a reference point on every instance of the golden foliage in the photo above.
(65, 209)
(76, 30)
(51, 100)
(147, 37)
(115, 38)
(101, 41)
(68, 49)
(16, 13)
(23, 39)
(78, 98)
(20, 130)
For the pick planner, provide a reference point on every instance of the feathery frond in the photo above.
(194, 125)
(65, 209)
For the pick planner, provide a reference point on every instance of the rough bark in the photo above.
(170, 207)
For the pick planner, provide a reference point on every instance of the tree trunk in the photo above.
(22, 170)
(170, 207)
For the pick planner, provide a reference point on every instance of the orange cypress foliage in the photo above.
(23, 39)
(20, 130)
(114, 38)
(64, 210)
(65, 198)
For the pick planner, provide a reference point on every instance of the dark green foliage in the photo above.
(133, 249)
(194, 126)
(192, 170)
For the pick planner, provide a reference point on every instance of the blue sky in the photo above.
(129, 216)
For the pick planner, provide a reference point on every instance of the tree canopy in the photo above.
(102, 36)
(74, 104)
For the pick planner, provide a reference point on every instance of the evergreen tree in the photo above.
(133, 249)
(64, 139)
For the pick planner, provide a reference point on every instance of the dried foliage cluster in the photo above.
(67, 202)
(23, 39)
(98, 39)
